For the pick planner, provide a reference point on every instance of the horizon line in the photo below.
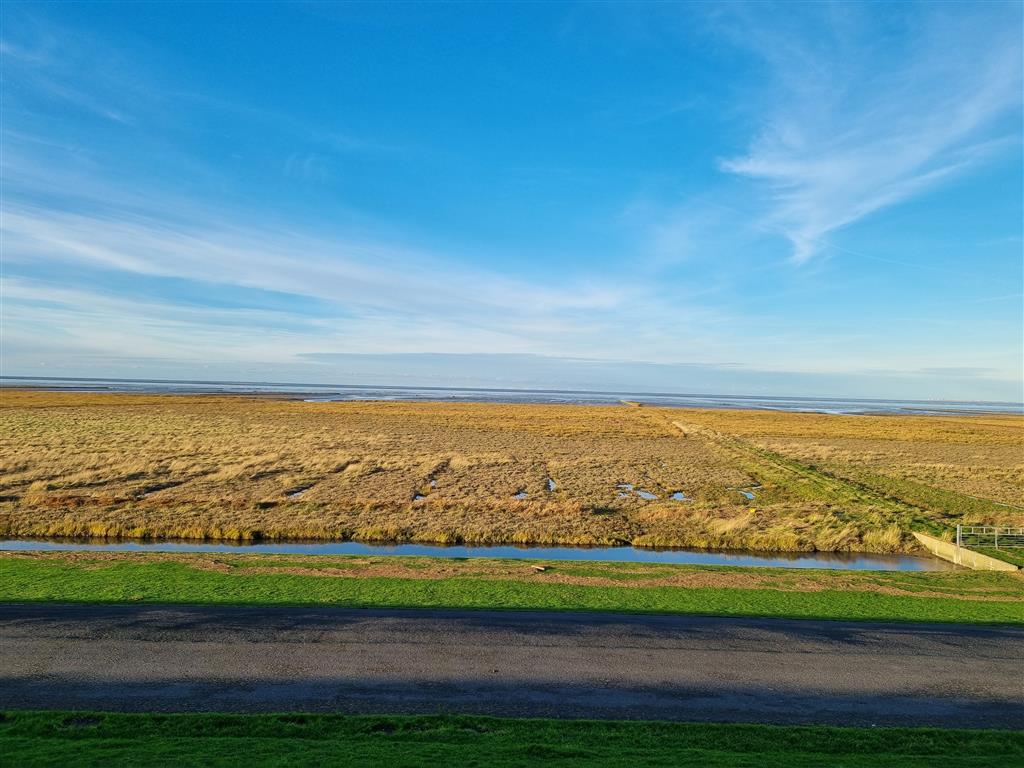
(507, 389)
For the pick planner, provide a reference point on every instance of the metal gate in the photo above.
(989, 536)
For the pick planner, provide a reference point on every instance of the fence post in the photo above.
(997, 537)
(959, 538)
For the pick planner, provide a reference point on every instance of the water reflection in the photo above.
(834, 560)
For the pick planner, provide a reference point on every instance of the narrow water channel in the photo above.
(847, 561)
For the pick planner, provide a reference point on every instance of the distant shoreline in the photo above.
(359, 392)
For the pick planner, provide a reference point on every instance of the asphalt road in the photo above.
(144, 658)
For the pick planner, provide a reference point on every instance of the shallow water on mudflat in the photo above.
(847, 561)
(344, 392)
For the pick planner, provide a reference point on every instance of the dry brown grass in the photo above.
(970, 467)
(224, 467)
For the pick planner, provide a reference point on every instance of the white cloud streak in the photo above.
(850, 129)
(351, 273)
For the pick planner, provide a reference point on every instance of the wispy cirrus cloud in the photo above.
(47, 63)
(850, 127)
(363, 277)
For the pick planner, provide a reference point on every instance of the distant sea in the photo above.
(342, 392)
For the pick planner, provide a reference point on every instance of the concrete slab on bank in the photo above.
(948, 550)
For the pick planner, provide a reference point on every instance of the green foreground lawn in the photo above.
(770, 592)
(105, 739)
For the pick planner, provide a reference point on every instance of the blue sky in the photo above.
(805, 199)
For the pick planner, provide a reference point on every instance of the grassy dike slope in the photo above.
(952, 596)
(105, 739)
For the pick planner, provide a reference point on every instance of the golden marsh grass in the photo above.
(78, 464)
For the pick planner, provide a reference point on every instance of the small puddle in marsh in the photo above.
(834, 560)
(627, 489)
(747, 491)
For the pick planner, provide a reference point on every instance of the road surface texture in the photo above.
(247, 659)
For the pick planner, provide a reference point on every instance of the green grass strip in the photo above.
(113, 739)
(134, 581)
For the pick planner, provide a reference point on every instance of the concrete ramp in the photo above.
(947, 550)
